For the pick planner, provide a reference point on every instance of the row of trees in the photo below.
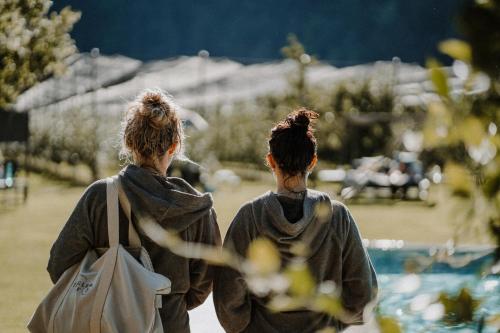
(235, 135)
(357, 118)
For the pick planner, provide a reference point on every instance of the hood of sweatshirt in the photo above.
(311, 229)
(171, 201)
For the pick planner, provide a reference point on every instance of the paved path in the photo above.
(203, 319)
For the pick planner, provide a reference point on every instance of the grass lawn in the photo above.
(27, 232)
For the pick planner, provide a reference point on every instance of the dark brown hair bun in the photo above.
(292, 142)
(301, 117)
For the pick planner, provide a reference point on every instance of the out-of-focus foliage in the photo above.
(388, 325)
(263, 256)
(456, 49)
(438, 77)
(468, 122)
(291, 287)
(33, 44)
(459, 308)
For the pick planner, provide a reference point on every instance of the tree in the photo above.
(33, 44)
(470, 120)
(296, 52)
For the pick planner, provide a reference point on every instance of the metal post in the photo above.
(26, 163)
(203, 55)
(396, 63)
(94, 53)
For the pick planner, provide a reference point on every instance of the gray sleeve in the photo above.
(231, 295)
(74, 240)
(359, 281)
(201, 273)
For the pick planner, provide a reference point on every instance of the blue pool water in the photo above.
(411, 298)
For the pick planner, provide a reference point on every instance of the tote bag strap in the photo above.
(133, 237)
(111, 256)
(113, 212)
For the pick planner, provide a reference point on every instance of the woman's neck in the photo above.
(153, 170)
(291, 186)
(160, 166)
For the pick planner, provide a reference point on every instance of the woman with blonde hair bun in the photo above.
(152, 137)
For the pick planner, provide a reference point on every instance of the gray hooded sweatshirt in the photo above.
(176, 206)
(336, 254)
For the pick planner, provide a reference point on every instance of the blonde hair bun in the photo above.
(151, 126)
(155, 108)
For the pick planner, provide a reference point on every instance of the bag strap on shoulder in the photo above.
(111, 257)
(133, 237)
(113, 213)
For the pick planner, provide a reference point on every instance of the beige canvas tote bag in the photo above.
(111, 293)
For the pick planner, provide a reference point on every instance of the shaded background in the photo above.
(342, 32)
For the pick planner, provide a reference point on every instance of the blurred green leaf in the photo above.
(457, 49)
(459, 179)
(299, 249)
(323, 211)
(437, 124)
(472, 131)
(330, 304)
(264, 256)
(491, 184)
(301, 280)
(280, 303)
(460, 308)
(388, 325)
(438, 77)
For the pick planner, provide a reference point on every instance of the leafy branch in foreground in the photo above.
(468, 120)
(294, 287)
(290, 289)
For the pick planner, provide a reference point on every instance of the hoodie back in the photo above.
(335, 254)
(173, 204)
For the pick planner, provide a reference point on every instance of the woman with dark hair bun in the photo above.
(294, 214)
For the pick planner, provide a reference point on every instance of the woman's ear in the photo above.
(270, 161)
(313, 163)
(171, 150)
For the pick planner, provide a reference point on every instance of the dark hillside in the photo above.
(344, 32)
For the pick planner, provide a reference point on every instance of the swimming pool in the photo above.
(410, 298)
